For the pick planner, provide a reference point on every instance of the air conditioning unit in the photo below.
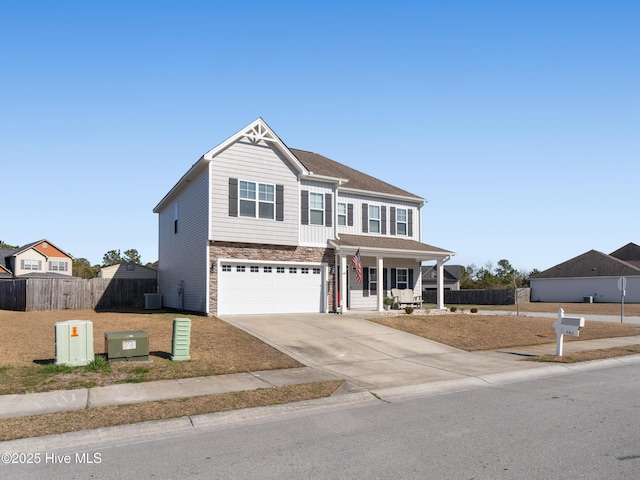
(152, 301)
(74, 342)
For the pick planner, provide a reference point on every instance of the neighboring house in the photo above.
(257, 227)
(592, 276)
(37, 259)
(451, 280)
(127, 270)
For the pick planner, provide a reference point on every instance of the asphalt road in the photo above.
(582, 425)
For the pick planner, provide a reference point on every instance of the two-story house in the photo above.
(257, 227)
(37, 259)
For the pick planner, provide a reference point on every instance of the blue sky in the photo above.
(517, 121)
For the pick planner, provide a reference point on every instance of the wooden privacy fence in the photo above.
(38, 294)
(479, 297)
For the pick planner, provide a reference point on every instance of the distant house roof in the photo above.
(630, 253)
(451, 272)
(320, 165)
(591, 264)
(6, 253)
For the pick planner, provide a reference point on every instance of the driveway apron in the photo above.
(365, 353)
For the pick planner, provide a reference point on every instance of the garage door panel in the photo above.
(245, 288)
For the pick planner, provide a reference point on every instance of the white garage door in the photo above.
(265, 288)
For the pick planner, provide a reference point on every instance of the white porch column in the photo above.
(440, 279)
(381, 292)
(344, 271)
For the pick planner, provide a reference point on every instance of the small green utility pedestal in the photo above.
(181, 339)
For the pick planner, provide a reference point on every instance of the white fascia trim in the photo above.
(367, 193)
(419, 255)
(324, 178)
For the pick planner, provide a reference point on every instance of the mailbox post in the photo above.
(566, 326)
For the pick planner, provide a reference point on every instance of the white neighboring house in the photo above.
(592, 276)
(257, 227)
(39, 259)
(129, 270)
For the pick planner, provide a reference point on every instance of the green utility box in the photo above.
(181, 339)
(130, 346)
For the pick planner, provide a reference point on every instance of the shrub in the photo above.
(474, 310)
(453, 309)
(408, 310)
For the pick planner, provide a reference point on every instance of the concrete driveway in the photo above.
(365, 353)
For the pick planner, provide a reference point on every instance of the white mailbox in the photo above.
(74, 342)
(566, 326)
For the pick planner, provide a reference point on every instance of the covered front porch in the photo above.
(385, 263)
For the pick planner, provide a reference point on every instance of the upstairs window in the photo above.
(316, 208)
(31, 264)
(58, 266)
(247, 199)
(374, 219)
(266, 201)
(401, 221)
(257, 199)
(342, 214)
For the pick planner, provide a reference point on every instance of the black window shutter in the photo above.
(392, 214)
(383, 214)
(304, 207)
(393, 278)
(350, 214)
(384, 280)
(328, 210)
(365, 218)
(410, 221)
(411, 285)
(279, 203)
(365, 282)
(233, 197)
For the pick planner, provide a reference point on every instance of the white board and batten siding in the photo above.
(602, 289)
(259, 163)
(183, 258)
(317, 235)
(358, 200)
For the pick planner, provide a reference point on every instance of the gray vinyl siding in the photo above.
(183, 256)
(258, 163)
(388, 226)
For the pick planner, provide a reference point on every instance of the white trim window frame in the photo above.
(31, 265)
(402, 278)
(256, 200)
(373, 281)
(374, 218)
(342, 214)
(316, 208)
(60, 266)
(402, 221)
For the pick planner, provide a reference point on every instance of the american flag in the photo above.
(358, 265)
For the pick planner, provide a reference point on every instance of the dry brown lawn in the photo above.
(473, 332)
(27, 348)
